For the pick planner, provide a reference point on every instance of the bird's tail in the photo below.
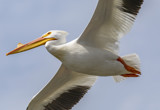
(131, 60)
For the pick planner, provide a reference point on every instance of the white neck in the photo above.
(55, 48)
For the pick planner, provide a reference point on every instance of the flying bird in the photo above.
(94, 53)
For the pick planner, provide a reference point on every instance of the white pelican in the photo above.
(94, 53)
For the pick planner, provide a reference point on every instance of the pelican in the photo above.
(93, 54)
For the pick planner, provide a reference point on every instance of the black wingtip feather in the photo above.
(131, 6)
(68, 99)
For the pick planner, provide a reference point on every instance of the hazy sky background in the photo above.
(24, 74)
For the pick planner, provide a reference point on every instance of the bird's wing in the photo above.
(111, 20)
(63, 91)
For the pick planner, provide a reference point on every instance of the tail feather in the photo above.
(118, 78)
(131, 60)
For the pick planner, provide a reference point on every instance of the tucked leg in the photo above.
(134, 72)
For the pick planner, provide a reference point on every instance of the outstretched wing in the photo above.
(63, 91)
(111, 20)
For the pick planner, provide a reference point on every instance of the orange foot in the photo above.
(135, 73)
(130, 75)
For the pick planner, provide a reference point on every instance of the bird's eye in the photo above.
(49, 33)
(46, 34)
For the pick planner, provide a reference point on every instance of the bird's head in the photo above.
(53, 37)
(58, 36)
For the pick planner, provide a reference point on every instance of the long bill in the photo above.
(35, 43)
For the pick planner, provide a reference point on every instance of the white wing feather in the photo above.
(111, 20)
(63, 81)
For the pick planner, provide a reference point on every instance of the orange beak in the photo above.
(35, 43)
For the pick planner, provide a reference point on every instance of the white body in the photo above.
(86, 59)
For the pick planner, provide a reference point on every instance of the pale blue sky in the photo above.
(24, 74)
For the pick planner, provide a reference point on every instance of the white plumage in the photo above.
(94, 53)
